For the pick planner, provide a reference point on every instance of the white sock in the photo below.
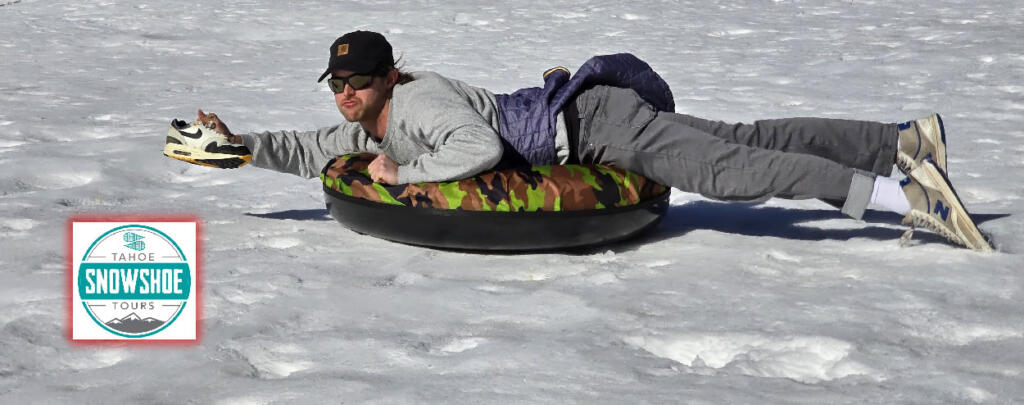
(889, 195)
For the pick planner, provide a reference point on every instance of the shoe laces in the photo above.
(905, 165)
(919, 220)
(198, 123)
(217, 136)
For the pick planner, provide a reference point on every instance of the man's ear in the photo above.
(392, 78)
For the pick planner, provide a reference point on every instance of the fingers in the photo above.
(210, 120)
(376, 168)
(382, 170)
(203, 116)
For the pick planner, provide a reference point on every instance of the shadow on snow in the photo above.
(752, 219)
(749, 219)
(319, 214)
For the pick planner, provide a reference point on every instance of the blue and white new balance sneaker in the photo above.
(921, 139)
(935, 205)
(197, 144)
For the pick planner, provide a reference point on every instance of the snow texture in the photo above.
(782, 302)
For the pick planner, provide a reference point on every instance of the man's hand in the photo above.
(383, 170)
(212, 121)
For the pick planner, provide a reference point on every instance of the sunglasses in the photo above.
(356, 82)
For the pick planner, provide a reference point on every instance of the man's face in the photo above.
(361, 105)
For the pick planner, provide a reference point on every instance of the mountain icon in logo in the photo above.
(134, 324)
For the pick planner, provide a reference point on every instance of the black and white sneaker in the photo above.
(197, 144)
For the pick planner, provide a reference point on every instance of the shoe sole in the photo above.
(203, 158)
(967, 232)
(930, 125)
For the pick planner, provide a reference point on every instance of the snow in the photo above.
(785, 301)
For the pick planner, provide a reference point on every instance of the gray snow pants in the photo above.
(797, 158)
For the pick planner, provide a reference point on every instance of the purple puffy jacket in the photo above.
(527, 117)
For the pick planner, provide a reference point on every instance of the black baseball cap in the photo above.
(359, 52)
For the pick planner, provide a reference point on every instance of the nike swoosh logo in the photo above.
(230, 149)
(197, 135)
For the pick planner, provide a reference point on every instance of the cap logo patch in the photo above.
(342, 49)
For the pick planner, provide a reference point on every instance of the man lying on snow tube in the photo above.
(615, 110)
(539, 207)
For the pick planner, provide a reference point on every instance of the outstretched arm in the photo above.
(302, 153)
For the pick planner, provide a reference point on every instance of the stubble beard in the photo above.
(352, 115)
(361, 112)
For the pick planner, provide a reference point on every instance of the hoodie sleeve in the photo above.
(305, 153)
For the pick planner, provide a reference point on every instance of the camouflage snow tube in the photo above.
(530, 208)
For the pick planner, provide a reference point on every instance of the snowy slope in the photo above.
(786, 301)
